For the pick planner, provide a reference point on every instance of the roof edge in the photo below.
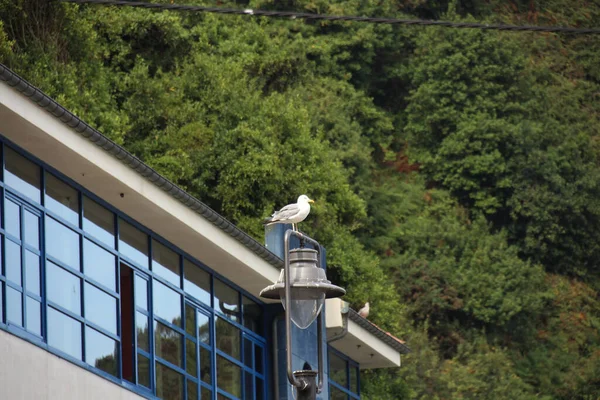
(385, 337)
(122, 155)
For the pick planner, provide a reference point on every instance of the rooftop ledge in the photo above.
(361, 340)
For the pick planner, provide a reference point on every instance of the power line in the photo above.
(372, 20)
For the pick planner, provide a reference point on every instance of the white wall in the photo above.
(28, 372)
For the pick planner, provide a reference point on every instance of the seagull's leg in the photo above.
(294, 228)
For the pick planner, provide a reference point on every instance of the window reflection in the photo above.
(203, 328)
(100, 308)
(197, 282)
(64, 333)
(63, 288)
(167, 303)
(32, 230)
(336, 394)
(229, 376)
(32, 272)
(62, 243)
(354, 379)
(13, 261)
(62, 199)
(21, 174)
(143, 370)
(228, 338)
(190, 357)
(34, 316)
(205, 365)
(169, 384)
(14, 306)
(101, 351)
(252, 315)
(248, 385)
(206, 394)
(99, 264)
(227, 300)
(165, 262)
(12, 218)
(259, 389)
(167, 343)
(337, 369)
(99, 222)
(141, 292)
(142, 331)
(258, 359)
(192, 390)
(133, 243)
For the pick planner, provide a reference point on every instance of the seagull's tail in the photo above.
(269, 221)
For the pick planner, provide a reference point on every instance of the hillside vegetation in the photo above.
(456, 172)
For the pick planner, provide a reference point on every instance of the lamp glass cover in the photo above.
(306, 305)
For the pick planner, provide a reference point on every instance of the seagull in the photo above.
(292, 213)
(364, 312)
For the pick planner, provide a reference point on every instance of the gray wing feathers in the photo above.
(285, 213)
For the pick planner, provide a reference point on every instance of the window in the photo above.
(343, 377)
(83, 281)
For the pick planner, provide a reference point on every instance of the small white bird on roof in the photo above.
(292, 213)
(364, 312)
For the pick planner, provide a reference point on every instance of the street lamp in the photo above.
(303, 287)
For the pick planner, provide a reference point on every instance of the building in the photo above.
(117, 284)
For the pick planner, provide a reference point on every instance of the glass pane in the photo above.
(21, 174)
(205, 365)
(165, 263)
(141, 292)
(227, 300)
(336, 394)
(62, 199)
(62, 243)
(34, 316)
(252, 315)
(99, 265)
(133, 243)
(14, 306)
(197, 282)
(190, 320)
(101, 351)
(143, 370)
(229, 376)
(354, 379)
(206, 394)
(99, 222)
(248, 386)
(32, 230)
(167, 303)
(260, 393)
(248, 354)
(63, 288)
(100, 308)
(258, 359)
(64, 333)
(203, 328)
(168, 343)
(13, 261)
(192, 390)
(228, 338)
(12, 218)
(337, 370)
(32, 272)
(169, 384)
(1, 301)
(190, 360)
(142, 332)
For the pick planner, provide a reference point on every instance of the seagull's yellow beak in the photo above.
(311, 201)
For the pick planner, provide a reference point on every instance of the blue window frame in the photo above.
(84, 281)
(344, 377)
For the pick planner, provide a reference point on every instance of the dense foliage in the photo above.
(456, 172)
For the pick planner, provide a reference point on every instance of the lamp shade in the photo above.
(309, 287)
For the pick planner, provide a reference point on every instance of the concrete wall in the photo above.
(28, 372)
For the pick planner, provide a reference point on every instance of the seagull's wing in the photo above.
(287, 212)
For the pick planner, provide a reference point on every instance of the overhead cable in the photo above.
(325, 17)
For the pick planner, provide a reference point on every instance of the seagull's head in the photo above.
(305, 199)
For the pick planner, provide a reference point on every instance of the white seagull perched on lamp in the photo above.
(292, 213)
(364, 312)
